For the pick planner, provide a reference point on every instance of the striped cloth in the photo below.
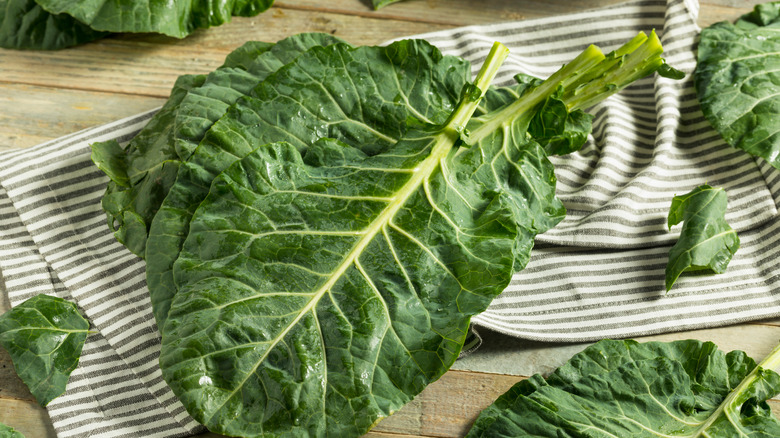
(598, 274)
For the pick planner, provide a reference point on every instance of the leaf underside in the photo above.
(706, 239)
(624, 388)
(737, 80)
(44, 336)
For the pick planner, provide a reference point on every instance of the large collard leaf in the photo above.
(624, 388)
(321, 289)
(706, 239)
(361, 96)
(375, 260)
(177, 18)
(25, 25)
(9, 432)
(737, 81)
(44, 336)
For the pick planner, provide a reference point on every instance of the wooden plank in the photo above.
(713, 11)
(450, 12)
(449, 406)
(26, 417)
(31, 114)
(148, 65)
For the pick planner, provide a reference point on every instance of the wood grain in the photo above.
(58, 112)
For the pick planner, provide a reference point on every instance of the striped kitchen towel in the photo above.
(598, 274)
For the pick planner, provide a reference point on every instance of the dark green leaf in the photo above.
(367, 268)
(706, 240)
(25, 25)
(153, 156)
(244, 56)
(560, 132)
(44, 336)
(737, 81)
(324, 284)
(109, 157)
(203, 106)
(174, 18)
(9, 432)
(624, 388)
(669, 72)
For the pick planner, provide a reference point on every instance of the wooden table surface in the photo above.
(45, 95)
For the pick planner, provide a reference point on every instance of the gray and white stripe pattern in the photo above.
(598, 274)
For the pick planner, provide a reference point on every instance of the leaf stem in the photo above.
(588, 79)
(523, 106)
(473, 93)
(771, 362)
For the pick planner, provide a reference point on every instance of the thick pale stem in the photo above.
(468, 104)
(590, 78)
(563, 77)
(630, 64)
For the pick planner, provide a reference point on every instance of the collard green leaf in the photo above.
(9, 432)
(706, 240)
(624, 388)
(737, 81)
(334, 282)
(176, 18)
(25, 25)
(559, 131)
(368, 269)
(362, 96)
(44, 336)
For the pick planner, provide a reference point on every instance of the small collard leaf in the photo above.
(9, 432)
(706, 240)
(560, 132)
(44, 336)
(627, 389)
